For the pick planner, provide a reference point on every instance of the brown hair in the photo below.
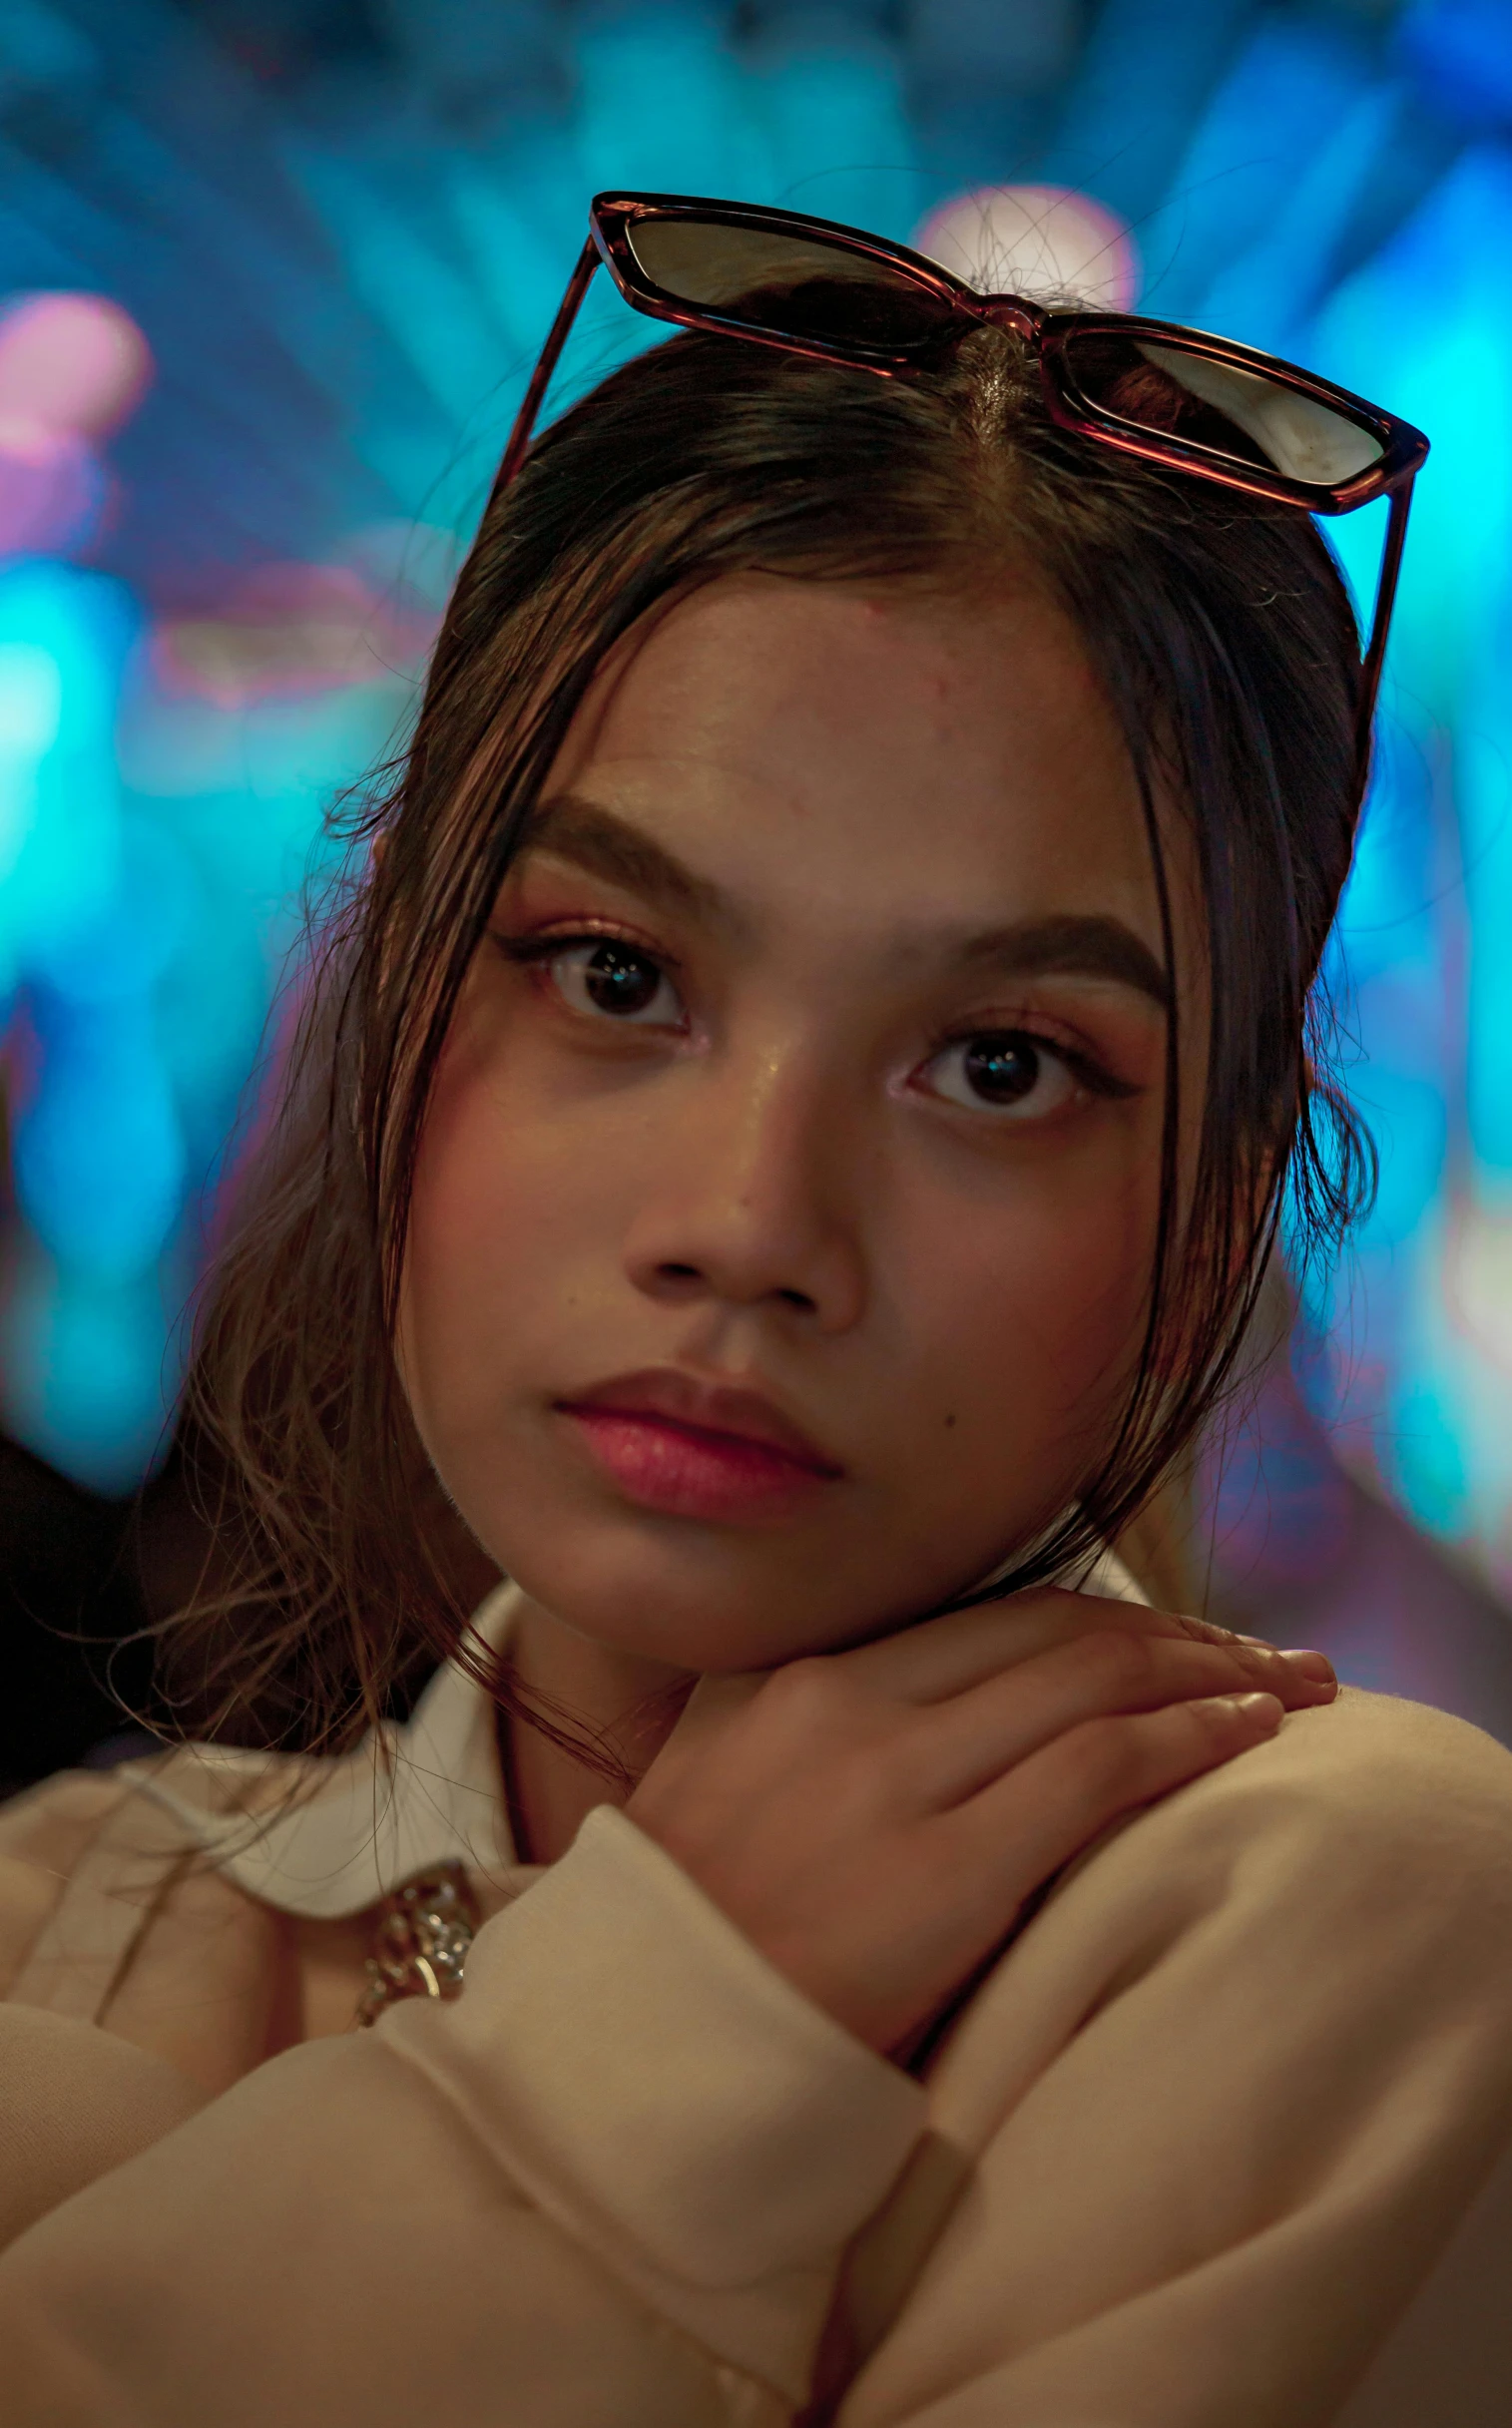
(1223, 638)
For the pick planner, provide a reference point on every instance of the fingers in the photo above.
(1036, 1818)
(944, 1655)
(956, 1748)
(948, 1656)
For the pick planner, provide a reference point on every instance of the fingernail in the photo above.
(1314, 1665)
(1256, 1705)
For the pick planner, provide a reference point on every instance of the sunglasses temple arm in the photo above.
(1380, 623)
(540, 378)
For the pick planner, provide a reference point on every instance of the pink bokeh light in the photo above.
(291, 630)
(73, 367)
(70, 366)
(1047, 242)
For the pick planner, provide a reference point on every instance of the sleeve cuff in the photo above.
(650, 2082)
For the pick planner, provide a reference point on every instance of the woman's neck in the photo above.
(620, 1704)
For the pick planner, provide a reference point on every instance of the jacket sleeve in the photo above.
(611, 2183)
(1195, 2151)
(74, 2101)
(1240, 2159)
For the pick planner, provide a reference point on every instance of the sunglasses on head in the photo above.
(1170, 395)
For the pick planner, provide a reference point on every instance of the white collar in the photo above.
(342, 1833)
(411, 1798)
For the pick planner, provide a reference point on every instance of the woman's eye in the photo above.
(616, 981)
(1004, 1070)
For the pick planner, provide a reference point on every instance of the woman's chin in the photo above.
(657, 1613)
(689, 1598)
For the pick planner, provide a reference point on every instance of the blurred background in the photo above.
(272, 275)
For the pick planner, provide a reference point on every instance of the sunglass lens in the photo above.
(792, 286)
(1169, 391)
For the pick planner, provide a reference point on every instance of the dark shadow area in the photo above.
(89, 1663)
(70, 1599)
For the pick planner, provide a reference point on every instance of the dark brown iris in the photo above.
(620, 981)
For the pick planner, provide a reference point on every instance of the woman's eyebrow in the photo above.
(588, 836)
(1067, 946)
(593, 838)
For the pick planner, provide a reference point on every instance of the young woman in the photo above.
(786, 1129)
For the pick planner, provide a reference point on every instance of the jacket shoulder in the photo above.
(1379, 1754)
(1390, 1803)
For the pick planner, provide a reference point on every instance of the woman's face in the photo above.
(786, 1202)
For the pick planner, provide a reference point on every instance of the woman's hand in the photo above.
(874, 1820)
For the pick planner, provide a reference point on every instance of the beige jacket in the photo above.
(1219, 2143)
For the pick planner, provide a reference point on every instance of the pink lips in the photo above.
(687, 1449)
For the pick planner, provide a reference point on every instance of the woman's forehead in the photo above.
(886, 746)
(744, 656)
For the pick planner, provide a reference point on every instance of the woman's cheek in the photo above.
(1042, 1312)
(520, 1201)
(470, 1255)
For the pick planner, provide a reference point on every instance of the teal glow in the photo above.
(343, 266)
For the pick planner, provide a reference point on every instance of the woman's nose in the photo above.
(754, 1197)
